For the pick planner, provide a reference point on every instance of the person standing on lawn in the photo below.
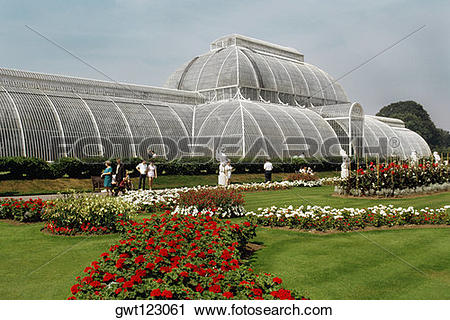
(119, 177)
(228, 170)
(107, 174)
(268, 167)
(142, 169)
(120, 171)
(222, 176)
(151, 173)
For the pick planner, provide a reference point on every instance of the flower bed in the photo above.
(302, 176)
(395, 180)
(87, 214)
(222, 202)
(327, 218)
(331, 181)
(178, 257)
(167, 199)
(22, 210)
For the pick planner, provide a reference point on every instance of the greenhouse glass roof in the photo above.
(251, 97)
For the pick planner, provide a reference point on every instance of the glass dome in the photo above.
(268, 72)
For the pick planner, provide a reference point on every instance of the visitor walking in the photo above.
(142, 169)
(222, 177)
(120, 175)
(228, 170)
(268, 167)
(120, 171)
(107, 174)
(151, 173)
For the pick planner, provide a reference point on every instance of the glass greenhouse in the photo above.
(245, 96)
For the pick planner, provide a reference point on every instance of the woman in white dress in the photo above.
(151, 174)
(222, 176)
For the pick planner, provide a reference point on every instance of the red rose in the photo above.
(228, 294)
(128, 284)
(118, 290)
(120, 263)
(150, 266)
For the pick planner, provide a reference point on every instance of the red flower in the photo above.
(228, 294)
(257, 292)
(128, 284)
(75, 288)
(108, 276)
(215, 288)
(167, 294)
(199, 288)
(277, 280)
(120, 263)
(150, 266)
(155, 293)
(163, 252)
(139, 259)
(118, 290)
(184, 274)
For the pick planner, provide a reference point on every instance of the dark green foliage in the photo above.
(25, 168)
(417, 119)
(33, 168)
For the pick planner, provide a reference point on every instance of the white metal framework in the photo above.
(250, 96)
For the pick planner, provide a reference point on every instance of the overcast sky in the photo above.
(143, 41)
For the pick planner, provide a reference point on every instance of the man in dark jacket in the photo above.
(120, 172)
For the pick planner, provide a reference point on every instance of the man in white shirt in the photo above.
(268, 170)
(142, 169)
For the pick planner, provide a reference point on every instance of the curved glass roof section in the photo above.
(50, 125)
(385, 140)
(242, 62)
(264, 129)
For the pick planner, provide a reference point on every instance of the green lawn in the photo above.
(50, 186)
(323, 196)
(35, 265)
(349, 266)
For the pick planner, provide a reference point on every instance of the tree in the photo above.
(417, 119)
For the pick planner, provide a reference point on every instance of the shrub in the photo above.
(178, 257)
(221, 201)
(87, 214)
(302, 176)
(22, 210)
(25, 168)
(73, 167)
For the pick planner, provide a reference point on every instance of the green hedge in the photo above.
(34, 168)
